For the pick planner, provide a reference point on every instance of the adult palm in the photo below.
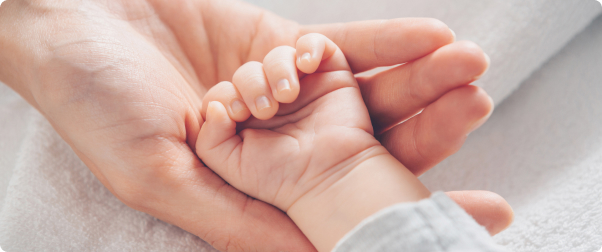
(122, 81)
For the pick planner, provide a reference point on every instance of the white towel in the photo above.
(54, 203)
(13, 125)
(542, 151)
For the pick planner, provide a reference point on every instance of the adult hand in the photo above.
(121, 82)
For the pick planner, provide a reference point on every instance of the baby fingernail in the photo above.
(453, 34)
(306, 57)
(262, 102)
(283, 85)
(237, 106)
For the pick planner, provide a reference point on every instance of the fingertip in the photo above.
(280, 68)
(481, 106)
(501, 213)
(487, 59)
(489, 209)
(239, 111)
(489, 104)
(264, 107)
(487, 65)
(285, 92)
(309, 52)
(438, 31)
(226, 93)
(474, 59)
(253, 86)
(306, 63)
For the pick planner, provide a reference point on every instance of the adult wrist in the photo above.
(374, 184)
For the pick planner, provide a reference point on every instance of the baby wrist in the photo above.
(374, 184)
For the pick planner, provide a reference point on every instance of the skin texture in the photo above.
(122, 81)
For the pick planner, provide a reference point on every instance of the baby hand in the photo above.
(310, 141)
(315, 137)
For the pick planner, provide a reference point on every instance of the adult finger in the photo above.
(487, 208)
(440, 130)
(399, 93)
(370, 44)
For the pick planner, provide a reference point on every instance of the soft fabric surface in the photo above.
(55, 203)
(12, 131)
(542, 149)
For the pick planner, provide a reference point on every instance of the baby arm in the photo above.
(313, 154)
(374, 184)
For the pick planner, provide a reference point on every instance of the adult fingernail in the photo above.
(262, 102)
(283, 85)
(476, 125)
(237, 106)
(488, 60)
(481, 121)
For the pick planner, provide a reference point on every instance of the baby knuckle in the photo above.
(249, 72)
(279, 58)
